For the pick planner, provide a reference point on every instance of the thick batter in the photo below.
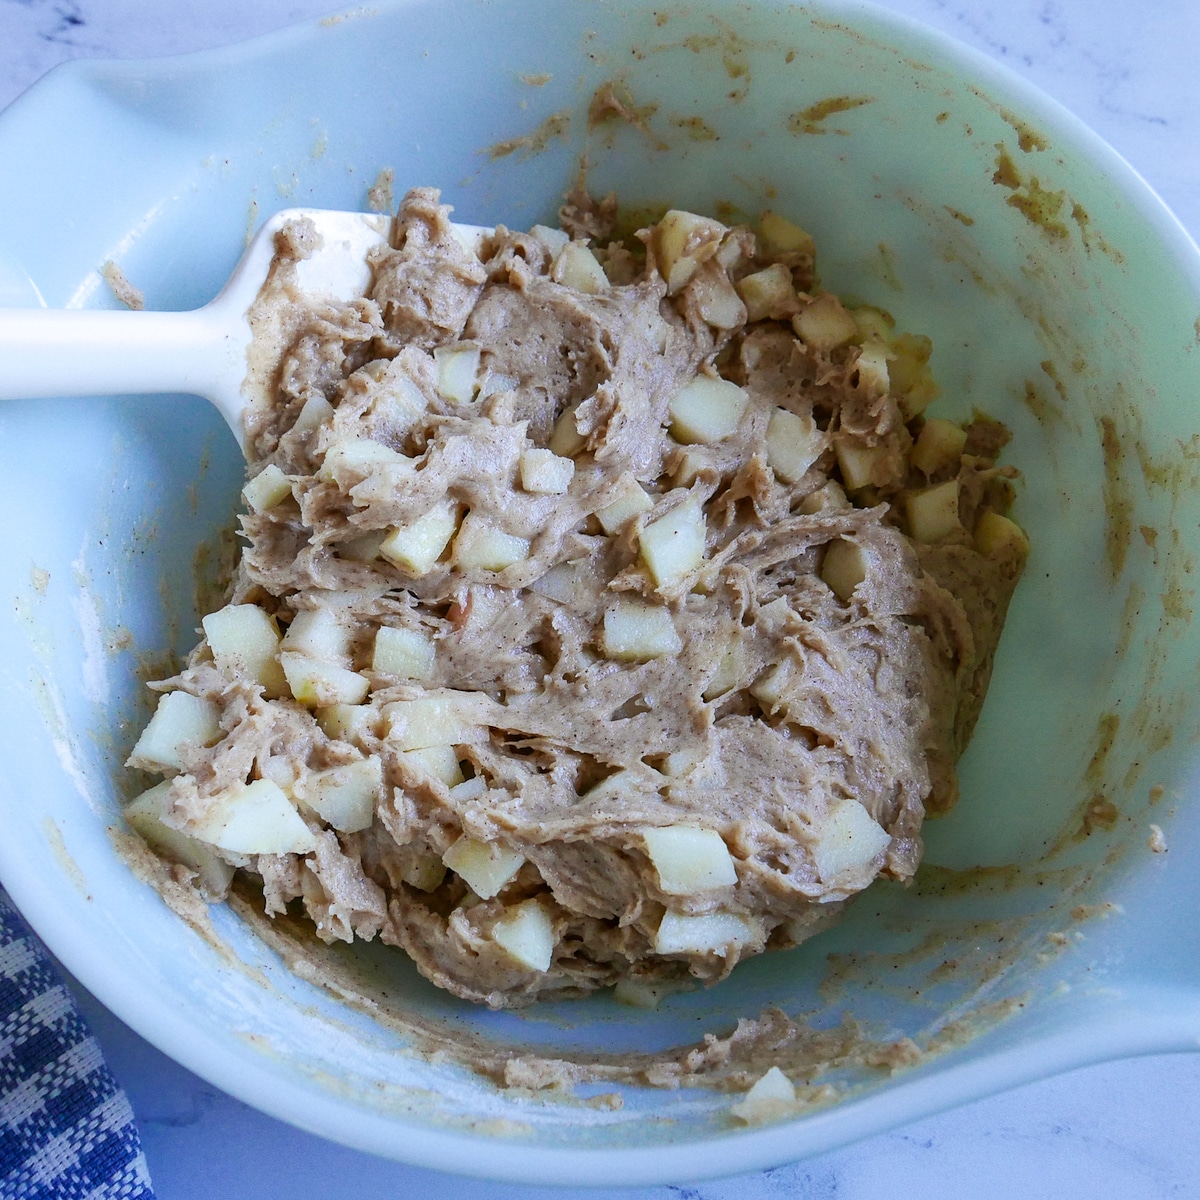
(609, 612)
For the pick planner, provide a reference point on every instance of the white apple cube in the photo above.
(729, 670)
(408, 653)
(778, 236)
(559, 583)
(546, 473)
(414, 548)
(364, 548)
(267, 489)
(772, 688)
(631, 499)
(347, 722)
(874, 324)
(707, 933)
(443, 719)
(144, 814)
(345, 796)
(858, 463)
(673, 545)
(1000, 537)
(318, 684)
(872, 366)
(717, 301)
(359, 457)
(485, 867)
(483, 546)
(526, 932)
(553, 239)
(577, 267)
(939, 445)
(280, 770)
(682, 241)
(424, 872)
(772, 1098)
(848, 839)
(254, 818)
(180, 720)
(689, 859)
(794, 443)
(933, 513)
(825, 324)
(245, 641)
(469, 789)
(768, 293)
(843, 568)
(635, 631)
(830, 498)
(319, 633)
(316, 411)
(706, 410)
(565, 439)
(458, 372)
(437, 762)
(643, 993)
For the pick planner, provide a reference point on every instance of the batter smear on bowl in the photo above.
(609, 611)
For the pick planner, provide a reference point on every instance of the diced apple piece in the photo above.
(469, 789)
(778, 236)
(345, 796)
(794, 443)
(858, 463)
(933, 513)
(458, 372)
(689, 859)
(768, 293)
(356, 458)
(673, 545)
(771, 1098)
(347, 722)
(772, 687)
(424, 872)
(565, 439)
(729, 671)
(843, 568)
(559, 583)
(717, 300)
(319, 633)
(912, 382)
(254, 818)
(280, 770)
(267, 489)
(482, 546)
(939, 445)
(872, 367)
(409, 653)
(708, 933)
(545, 473)
(245, 640)
(144, 814)
(438, 762)
(553, 239)
(398, 402)
(485, 867)
(847, 840)
(364, 548)
(316, 411)
(829, 498)
(706, 410)
(441, 719)
(527, 933)
(825, 324)
(318, 684)
(179, 720)
(874, 324)
(631, 500)
(682, 241)
(577, 267)
(1000, 537)
(635, 631)
(414, 548)
(644, 993)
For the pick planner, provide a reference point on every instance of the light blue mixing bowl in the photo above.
(1061, 297)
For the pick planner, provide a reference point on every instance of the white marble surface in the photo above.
(1123, 1130)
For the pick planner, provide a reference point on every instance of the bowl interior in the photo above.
(1060, 299)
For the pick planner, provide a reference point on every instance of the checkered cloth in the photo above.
(66, 1128)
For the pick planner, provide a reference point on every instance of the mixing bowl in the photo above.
(1052, 924)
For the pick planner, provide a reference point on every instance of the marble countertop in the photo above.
(1123, 1129)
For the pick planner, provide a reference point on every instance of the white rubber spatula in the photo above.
(105, 352)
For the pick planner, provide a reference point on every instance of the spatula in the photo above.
(104, 352)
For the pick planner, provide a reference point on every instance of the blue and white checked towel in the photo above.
(66, 1129)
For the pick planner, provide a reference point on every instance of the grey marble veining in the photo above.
(1122, 1130)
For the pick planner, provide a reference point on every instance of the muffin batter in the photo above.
(609, 611)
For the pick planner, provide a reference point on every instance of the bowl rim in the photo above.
(1155, 1021)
